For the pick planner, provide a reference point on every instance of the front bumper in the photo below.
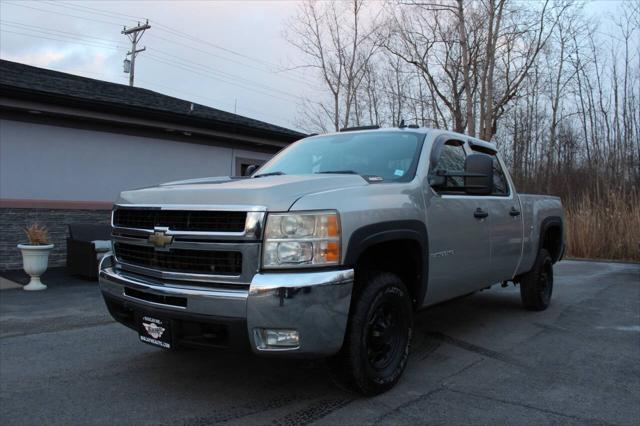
(316, 304)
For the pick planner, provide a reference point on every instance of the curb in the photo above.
(583, 259)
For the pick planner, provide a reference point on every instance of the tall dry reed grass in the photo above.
(605, 228)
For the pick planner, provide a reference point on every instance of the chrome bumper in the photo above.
(316, 304)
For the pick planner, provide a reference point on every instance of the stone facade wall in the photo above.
(14, 220)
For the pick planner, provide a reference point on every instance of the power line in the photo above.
(204, 70)
(58, 39)
(106, 77)
(59, 33)
(50, 30)
(64, 36)
(61, 13)
(93, 10)
(166, 29)
(210, 53)
(227, 75)
(101, 42)
(231, 79)
(148, 83)
(172, 31)
(233, 52)
(202, 73)
(215, 46)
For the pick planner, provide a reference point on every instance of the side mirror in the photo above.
(436, 180)
(478, 174)
(250, 170)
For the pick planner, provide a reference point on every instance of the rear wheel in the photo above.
(376, 346)
(536, 286)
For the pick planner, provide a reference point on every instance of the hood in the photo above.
(276, 193)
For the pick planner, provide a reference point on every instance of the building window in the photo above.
(243, 163)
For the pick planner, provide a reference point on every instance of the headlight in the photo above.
(301, 240)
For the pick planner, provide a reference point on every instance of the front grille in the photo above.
(180, 220)
(156, 298)
(181, 260)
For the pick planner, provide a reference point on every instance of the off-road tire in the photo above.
(536, 286)
(378, 336)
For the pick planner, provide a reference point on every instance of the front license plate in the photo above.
(155, 331)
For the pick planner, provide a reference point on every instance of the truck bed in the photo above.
(538, 211)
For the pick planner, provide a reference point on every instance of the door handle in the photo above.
(514, 212)
(480, 214)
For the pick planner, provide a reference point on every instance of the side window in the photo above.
(500, 184)
(452, 159)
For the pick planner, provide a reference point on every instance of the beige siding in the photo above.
(59, 163)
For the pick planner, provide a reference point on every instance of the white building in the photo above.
(69, 145)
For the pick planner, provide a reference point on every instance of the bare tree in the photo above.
(334, 40)
(420, 35)
(558, 91)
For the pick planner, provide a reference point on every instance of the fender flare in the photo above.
(548, 222)
(369, 235)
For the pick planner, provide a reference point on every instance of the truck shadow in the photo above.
(243, 385)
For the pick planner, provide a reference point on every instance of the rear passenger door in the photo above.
(459, 237)
(506, 222)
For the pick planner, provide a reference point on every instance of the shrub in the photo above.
(607, 227)
(37, 235)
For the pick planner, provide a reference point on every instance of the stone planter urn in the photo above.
(35, 259)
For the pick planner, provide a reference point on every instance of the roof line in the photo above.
(19, 80)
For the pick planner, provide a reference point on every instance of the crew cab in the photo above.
(329, 249)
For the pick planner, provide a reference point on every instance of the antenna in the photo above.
(134, 34)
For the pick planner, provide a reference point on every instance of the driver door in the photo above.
(458, 228)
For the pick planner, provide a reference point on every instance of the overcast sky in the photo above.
(229, 55)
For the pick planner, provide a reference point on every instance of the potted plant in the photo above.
(35, 255)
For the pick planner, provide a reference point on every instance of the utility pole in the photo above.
(134, 34)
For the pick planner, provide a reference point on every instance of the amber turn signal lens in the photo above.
(332, 254)
(332, 226)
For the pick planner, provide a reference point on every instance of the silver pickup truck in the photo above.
(329, 249)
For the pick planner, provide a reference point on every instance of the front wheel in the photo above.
(536, 285)
(376, 346)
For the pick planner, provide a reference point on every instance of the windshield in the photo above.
(392, 156)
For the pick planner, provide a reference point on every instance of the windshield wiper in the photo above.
(368, 178)
(339, 172)
(269, 174)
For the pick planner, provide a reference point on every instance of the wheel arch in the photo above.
(401, 246)
(552, 237)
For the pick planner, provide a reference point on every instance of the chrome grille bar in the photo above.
(181, 260)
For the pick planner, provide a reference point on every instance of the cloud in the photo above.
(44, 58)
(84, 61)
(225, 54)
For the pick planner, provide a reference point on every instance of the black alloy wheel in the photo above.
(378, 336)
(536, 286)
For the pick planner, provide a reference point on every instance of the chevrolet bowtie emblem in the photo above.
(159, 239)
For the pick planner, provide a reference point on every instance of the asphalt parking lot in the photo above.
(481, 360)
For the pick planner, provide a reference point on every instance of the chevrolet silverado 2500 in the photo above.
(329, 249)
